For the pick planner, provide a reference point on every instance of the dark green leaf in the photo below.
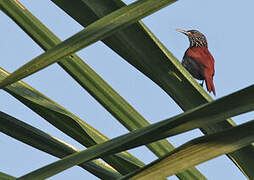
(197, 151)
(145, 52)
(94, 32)
(90, 80)
(68, 123)
(212, 112)
(4, 176)
(49, 144)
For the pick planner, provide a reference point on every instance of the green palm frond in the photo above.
(49, 144)
(114, 23)
(165, 129)
(197, 151)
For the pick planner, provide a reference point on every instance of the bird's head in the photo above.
(196, 38)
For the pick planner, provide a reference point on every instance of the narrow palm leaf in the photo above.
(90, 80)
(145, 52)
(85, 76)
(52, 145)
(212, 112)
(94, 32)
(197, 151)
(4, 176)
(68, 123)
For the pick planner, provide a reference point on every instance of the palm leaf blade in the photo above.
(145, 52)
(4, 176)
(68, 123)
(88, 79)
(49, 144)
(96, 31)
(197, 151)
(240, 102)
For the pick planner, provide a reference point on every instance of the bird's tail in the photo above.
(209, 84)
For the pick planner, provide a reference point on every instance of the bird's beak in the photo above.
(183, 31)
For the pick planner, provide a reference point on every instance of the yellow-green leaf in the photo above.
(145, 52)
(94, 32)
(197, 151)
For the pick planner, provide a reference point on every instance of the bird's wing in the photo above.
(203, 57)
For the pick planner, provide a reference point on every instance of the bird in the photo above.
(198, 60)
